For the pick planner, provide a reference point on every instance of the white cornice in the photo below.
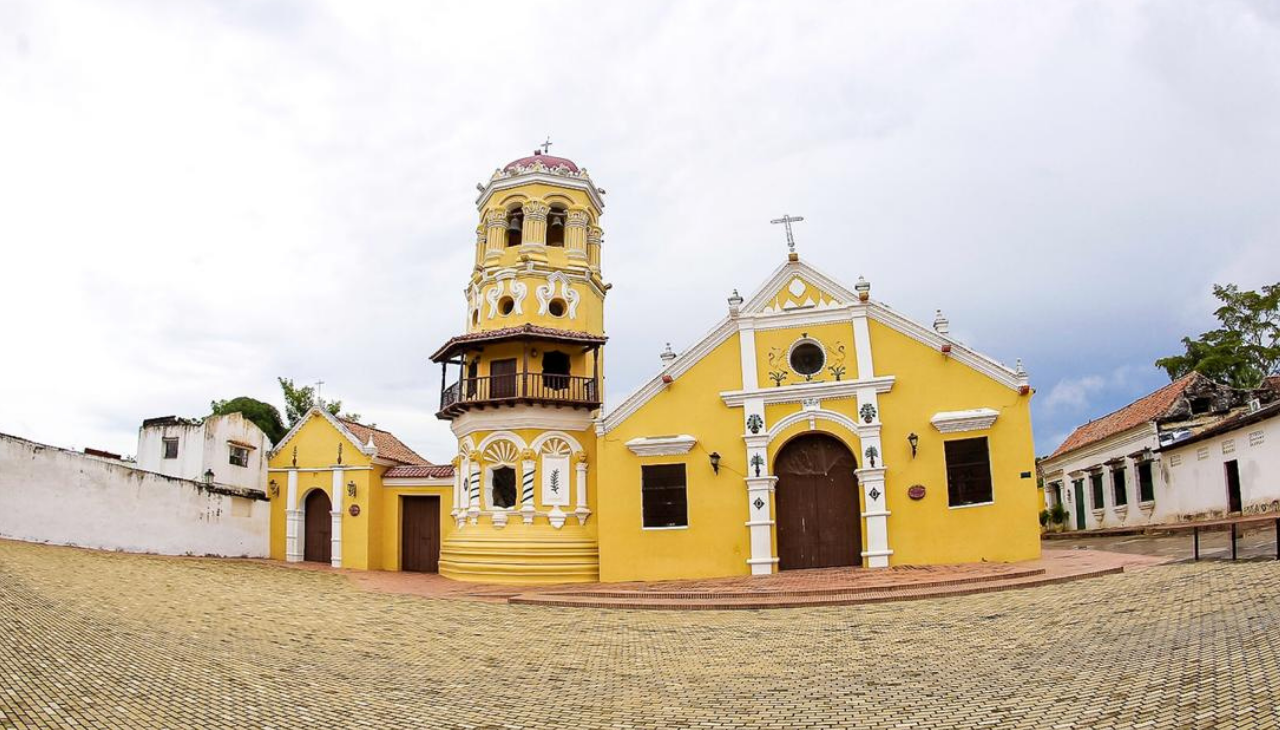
(800, 317)
(1002, 374)
(661, 445)
(683, 362)
(801, 391)
(1145, 431)
(535, 417)
(975, 419)
(530, 178)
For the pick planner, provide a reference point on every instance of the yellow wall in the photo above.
(716, 541)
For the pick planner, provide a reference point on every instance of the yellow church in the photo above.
(812, 426)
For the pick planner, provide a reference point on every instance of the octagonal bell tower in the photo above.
(522, 384)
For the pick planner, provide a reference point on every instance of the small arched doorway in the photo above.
(317, 545)
(819, 521)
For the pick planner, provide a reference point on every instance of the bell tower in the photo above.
(522, 385)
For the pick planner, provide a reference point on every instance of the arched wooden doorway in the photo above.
(317, 546)
(819, 521)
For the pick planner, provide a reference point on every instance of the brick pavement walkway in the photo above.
(105, 640)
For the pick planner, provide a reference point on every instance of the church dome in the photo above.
(548, 161)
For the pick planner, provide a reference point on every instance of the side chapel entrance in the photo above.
(420, 534)
(317, 546)
(819, 521)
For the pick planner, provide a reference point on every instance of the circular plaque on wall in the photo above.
(355, 510)
(916, 491)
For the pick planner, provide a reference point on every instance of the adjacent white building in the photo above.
(1115, 470)
(228, 449)
(1233, 466)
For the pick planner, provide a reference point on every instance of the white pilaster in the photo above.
(862, 344)
(335, 555)
(760, 523)
(876, 517)
(292, 521)
(747, 345)
(583, 511)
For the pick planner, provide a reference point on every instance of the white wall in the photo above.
(206, 447)
(1199, 485)
(58, 496)
(1078, 465)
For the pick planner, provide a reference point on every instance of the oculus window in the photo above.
(807, 358)
(968, 471)
(664, 496)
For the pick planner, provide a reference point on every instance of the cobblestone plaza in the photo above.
(103, 640)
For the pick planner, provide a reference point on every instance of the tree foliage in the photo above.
(1244, 350)
(298, 401)
(264, 415)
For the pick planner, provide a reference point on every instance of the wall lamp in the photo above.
(914, 440)
(351, 489)
(208, 476)
(274, 489)
(715, 462)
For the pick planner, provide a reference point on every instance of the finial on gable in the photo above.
(667, 355)
(735, 302)
(941, 324)
(863, 287)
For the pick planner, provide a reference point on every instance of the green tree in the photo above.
(1244, 350)
(298, 401)
(264, 415)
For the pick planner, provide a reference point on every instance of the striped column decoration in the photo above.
(526, 490)
(473, 494)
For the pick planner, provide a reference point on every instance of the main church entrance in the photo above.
(819, 521)
(317, 546)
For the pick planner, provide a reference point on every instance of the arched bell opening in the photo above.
(556, 220)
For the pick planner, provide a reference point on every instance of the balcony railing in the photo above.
(570, 390)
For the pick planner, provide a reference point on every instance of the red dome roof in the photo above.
(549, 161)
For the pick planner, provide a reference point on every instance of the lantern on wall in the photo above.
(914, 440)
(273, 488)
(715, 462)
(351, 489)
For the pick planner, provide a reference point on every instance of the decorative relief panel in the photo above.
(546, 292)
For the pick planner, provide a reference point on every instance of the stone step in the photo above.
(759, 601)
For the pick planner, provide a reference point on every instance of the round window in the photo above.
(556, 307)
(505, 305)
(807, 358)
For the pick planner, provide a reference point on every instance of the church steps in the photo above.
(844, 598)
(527, 560)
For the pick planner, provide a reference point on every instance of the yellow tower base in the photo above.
(520, 554)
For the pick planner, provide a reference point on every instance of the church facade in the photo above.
(812, 426)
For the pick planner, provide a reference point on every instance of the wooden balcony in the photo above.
(571, 391)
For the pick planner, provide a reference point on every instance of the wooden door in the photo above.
(819, 523)
(317, 542)
(1233, 486)
(502, 378)
(420, 534)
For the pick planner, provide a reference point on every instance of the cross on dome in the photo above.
(546, 146)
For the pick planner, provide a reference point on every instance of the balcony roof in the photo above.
(472, 340)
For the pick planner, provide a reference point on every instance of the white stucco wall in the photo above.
(1199, 480)
(207, 447)
(1080, 463)
(63, 497)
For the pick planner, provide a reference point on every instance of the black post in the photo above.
(1233, 541)
(1195, 532)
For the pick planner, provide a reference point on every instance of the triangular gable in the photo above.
(797, 285)
(368, 449)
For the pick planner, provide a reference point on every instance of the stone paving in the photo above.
(104, 640)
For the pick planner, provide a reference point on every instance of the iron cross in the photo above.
(546, 146)
(786, 220)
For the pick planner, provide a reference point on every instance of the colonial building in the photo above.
(811, 426)
(1116, 471)
(228, 449)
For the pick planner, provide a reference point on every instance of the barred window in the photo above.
(1119, 487)
(1146, 483)
(664, 495)
(171, 448)
(968, 471)
(1095, 485)
(239, 456)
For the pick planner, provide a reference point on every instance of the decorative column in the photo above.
(473, 492)
(335, 556)
(527, 465)
(458, 491)
(535, 223)
(760, 487)
(575, 234)
(292, 521)
(495, 223)
(583, 511)
(872, 478)
(595, 235)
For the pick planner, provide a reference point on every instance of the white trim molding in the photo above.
(975, 419)
(800, 392)
(661, 445)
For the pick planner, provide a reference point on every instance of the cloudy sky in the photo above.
(198, 197)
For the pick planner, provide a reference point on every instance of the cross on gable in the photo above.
(786, 220)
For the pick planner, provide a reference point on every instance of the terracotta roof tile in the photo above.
(1143, 410)
(530, 331)
(389, 447)
(444, 471)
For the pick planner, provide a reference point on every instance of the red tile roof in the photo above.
(444, 471)
(389, 447)
(1143, 410)
(523, 331)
